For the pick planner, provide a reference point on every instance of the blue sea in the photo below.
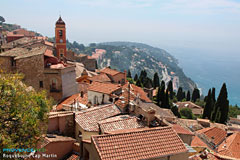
(212, 70)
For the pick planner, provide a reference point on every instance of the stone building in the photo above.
(88, 62)
(41, 70)
(116, 76)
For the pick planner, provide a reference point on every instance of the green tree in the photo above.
(180, 94)
(223, 105)
(129, 75)
(195, 94)
(23, 113)
(135, 77)
(156, 82)
(170, 88)
(213, 95)
(158, 97)
(188, 96)
(2, 20)
(233, 111)
(166, 100)
(174, 109)
(208, 107)
(147, 83)
(187, 113)
(142, 76)
(138, 83)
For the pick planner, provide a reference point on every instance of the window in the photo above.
(13, 62)
(41, 84)
(80, 134)
(61, 51)
(60, 33)
(95, 100)
(54, 84)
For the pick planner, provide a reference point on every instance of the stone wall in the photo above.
(6, 64)
(32, 68)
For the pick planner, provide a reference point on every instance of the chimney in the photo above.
(150, 115)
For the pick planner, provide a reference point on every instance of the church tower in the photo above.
(60, 38)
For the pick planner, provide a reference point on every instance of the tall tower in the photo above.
(60, 38)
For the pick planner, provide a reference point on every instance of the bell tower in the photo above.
(60, 38)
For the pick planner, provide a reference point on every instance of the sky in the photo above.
(211, 25)
(203, 34)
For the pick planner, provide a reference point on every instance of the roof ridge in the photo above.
(135, 130)
(128, 118)
(235, 135)
(94, 108)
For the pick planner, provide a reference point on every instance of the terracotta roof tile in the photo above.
(231, 147)
(197, 110)
(197, 142)
(181, 130)
(140, 144)
(73, 157)
(214, 134)
(100, 78)
(70, 100)
(109, 71)
(119, 123)
(106, 88)
(160, 112)
(89, 118)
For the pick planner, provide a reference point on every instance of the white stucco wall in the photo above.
(69, 84)
(92, 94)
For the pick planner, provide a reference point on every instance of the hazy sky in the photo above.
(212, 25)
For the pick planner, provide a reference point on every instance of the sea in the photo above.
(208, 69)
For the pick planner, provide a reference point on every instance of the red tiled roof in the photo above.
(89, 118)
(135, 90)
(106, 88)
(140, 144)
(123, 100)
(197, 110)
(109, 71)
(197, 142)
(181, 130)
(73, 157)
(70, 100)
(216, 135)
(231, 147)
(100, 78)
(119, 123)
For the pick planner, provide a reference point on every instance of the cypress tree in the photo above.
(195, 94)
(213, 95)
(135, 77)
(158, 96)
(188, 96)
(223, 105)
(156, 82)
(179, 94)
(208, 107)
(170, 89)
(147, 83)
(183, 95)
(138, 83)
(129, 75)
(166, 101)
(162, 93)
(143, 76)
